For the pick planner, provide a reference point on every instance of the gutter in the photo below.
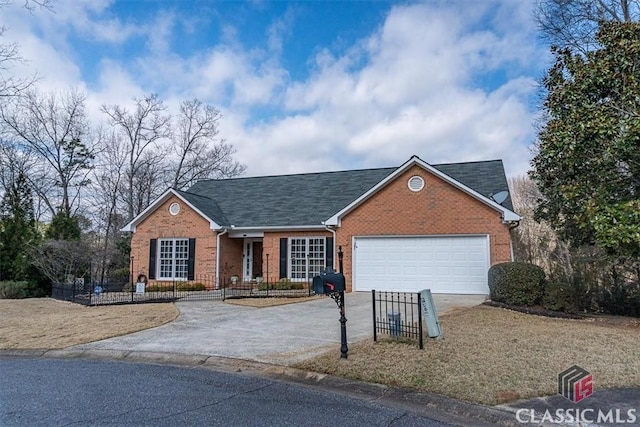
(328, 228)
(225, 231)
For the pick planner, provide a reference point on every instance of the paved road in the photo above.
(283, 335)
(50, 392)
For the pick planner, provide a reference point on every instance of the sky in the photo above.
(307, 86)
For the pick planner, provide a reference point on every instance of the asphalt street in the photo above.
(76, 392)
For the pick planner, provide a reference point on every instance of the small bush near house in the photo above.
(281, 285)
(516, 283)
(159, 287)
(19, 289)
(182, 287)
(191, 287)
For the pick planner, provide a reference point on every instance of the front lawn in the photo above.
(45, 323)
(493, 355)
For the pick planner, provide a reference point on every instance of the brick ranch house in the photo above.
(407, 228)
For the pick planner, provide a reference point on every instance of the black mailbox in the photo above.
(328, 283)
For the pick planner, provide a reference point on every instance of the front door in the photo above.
(247, 260)
(251, 259)
(257, 259)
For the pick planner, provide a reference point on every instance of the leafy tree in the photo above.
(17, 230)
(588, 162)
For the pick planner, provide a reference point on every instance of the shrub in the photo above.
(181, 286)
(516, 283)
(159, 287)
(20, 289)
(620, 299)
(560, 297)
(191, 286)
(281, 285)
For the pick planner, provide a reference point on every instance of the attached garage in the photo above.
(444, 264)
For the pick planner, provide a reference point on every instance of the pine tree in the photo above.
(17, 230)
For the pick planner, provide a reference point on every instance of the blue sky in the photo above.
(308, 85)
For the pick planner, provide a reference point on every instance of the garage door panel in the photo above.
(451, 264)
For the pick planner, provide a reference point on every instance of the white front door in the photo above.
(247, 260)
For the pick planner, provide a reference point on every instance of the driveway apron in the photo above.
(282, 334)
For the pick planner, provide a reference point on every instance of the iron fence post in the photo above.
(373, 302)
(420, 339)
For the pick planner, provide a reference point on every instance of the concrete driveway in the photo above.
(283, 334)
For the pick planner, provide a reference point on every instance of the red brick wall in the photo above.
(230, 258)
(187, 224)
(439, 208)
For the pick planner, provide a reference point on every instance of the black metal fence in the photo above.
(202, 288)
(398, 315)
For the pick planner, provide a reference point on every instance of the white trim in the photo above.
(218, 235)
(319, 227)
(174, 208)
(416, 178)
(131, 226)
(235, 234)
(507, 215)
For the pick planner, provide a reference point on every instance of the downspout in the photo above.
(226, 230)
(334, 243)
(512, 225)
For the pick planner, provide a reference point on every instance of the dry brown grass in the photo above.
(492, 355)
(51, 324)
(268, 302)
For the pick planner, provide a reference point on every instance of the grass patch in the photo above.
(492, 355)
(269, 302)
(50, 324)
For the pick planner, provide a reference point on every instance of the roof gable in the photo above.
(131, 226)
(507, 214)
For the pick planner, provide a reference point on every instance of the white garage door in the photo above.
(453, 265)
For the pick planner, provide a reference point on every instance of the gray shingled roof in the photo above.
(309, 199)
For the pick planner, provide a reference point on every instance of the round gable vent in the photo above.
(415, 183)
(174, 209)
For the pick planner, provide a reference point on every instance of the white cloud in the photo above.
(415, 85)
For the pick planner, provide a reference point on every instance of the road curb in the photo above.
(433, 406)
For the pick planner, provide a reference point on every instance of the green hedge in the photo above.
(281, 285)
(19, 289)
(516, 283)
(181, 287)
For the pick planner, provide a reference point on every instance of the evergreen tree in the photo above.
(17, 230)
(64, 227)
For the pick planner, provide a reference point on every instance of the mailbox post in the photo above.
(333, 284)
